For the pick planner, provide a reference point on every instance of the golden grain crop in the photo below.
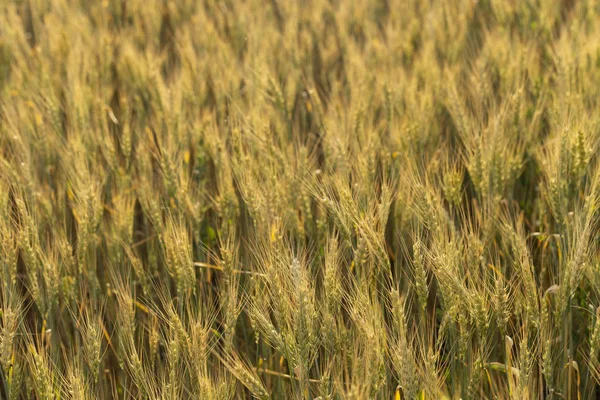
(316, 199)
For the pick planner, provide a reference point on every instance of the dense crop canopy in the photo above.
(312, 199)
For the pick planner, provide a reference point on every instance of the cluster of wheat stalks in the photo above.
(316, 199)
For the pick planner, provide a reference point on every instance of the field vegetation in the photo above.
(315, 199)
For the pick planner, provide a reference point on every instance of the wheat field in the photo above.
(310, 199)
